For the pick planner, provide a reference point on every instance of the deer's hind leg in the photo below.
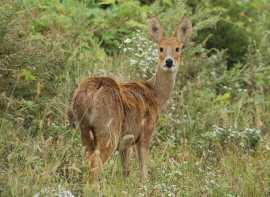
(125, 142)
(106, 121)
(99, 146)
(89, 144)
(105, 146)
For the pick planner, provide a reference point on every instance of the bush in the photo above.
(241, 24)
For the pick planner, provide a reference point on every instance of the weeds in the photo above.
(213, 139)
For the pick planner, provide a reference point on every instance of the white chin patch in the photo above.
(172, 69)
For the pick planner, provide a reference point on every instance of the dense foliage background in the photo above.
(214, 138)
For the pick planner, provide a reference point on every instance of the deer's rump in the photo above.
(105, 105)
(96, 100)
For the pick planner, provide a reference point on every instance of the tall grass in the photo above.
(212, 141)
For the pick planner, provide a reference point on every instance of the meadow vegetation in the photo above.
(213, 139)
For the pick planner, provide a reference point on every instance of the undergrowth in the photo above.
(213, 140)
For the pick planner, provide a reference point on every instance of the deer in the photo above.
(113, 115)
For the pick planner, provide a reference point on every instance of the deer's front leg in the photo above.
(124, 159)
(143, 154)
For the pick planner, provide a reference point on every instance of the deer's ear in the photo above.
(184, 30)
(155, 29)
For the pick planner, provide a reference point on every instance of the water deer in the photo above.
(115, 115)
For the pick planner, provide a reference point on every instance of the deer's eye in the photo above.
(177, 49)
(161, 49)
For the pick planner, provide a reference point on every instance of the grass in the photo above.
(29, 165)
(213, 140)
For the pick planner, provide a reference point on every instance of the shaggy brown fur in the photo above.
(115, 115)
(123, 108)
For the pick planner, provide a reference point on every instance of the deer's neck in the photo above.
(163, 83)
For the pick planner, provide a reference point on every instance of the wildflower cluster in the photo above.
(142, 53)
(245, 138)
(60, 191)
(211, 177)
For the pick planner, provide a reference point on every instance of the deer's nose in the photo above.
(169, 62)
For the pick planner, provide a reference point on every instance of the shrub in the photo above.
(241, 24)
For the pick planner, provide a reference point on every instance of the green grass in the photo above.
(213, 140)
(29, 165)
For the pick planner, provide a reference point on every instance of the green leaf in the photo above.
(27, 75)
(106, 2)
(133, 23)
(224, 98)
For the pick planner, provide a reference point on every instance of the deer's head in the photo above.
(170, 48)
